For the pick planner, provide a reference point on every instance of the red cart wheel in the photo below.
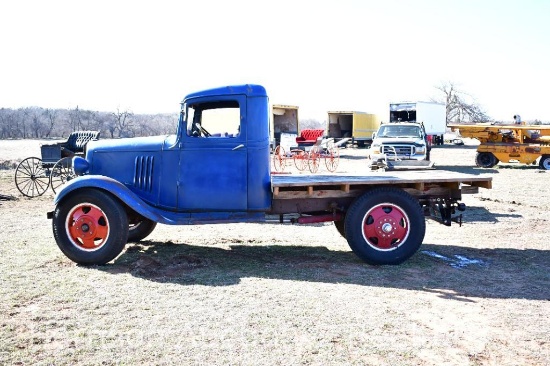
(279, 159)
(332, 158)
(314, 159)
(300, 159)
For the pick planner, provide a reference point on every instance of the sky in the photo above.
(145, 56)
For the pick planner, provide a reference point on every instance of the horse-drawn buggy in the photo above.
(306, 151)
(34, 175)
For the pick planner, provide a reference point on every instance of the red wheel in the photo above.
(30, 177)
(87, 227)
(90, 227)
(385, 226)
(300, 159)
(332, 158)
(279, 159)
(314, 159)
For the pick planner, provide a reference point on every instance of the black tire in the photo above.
(544, 162)
(486, 160)
(90, 227)
(340, 226)
(385, 226)
(139, 228)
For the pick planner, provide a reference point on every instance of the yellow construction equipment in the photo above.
(519, 142)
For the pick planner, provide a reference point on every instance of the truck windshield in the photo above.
(399, 131)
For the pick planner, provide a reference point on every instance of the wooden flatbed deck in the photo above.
(409, 179)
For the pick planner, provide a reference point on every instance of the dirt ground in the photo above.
(252, 294)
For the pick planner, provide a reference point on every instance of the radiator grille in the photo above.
(399, 149)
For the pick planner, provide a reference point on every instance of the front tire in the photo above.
(385, 226)
(140, 227)
(90, 227)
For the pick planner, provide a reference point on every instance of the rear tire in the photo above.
(340, 226)
(486, 160)
(90, 227)
(385, 226)
(544, 162)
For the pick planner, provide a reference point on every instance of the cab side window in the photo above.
(220, 119)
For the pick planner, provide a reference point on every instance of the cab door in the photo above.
(213, 161)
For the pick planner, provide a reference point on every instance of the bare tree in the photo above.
(75, 119)
(51, 116)
(123, 123)
(461, 107)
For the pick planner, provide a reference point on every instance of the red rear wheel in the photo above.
(385, 226)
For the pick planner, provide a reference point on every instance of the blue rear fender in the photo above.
(117, 189)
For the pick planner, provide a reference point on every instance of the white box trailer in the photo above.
(359, 126)
(432, 114)
(284, 119)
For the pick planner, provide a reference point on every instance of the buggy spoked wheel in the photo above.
(300, 159)
(385, 226)
(332, 158)
(90, 227)
(30, 177)
(279, 159)
(61, 173)
(314, 159)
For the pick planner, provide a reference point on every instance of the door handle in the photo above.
(238, 147)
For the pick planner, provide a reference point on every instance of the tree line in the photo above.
(46, 123)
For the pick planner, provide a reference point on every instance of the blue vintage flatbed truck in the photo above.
(216, 169)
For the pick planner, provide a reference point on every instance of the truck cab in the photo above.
(220, 151)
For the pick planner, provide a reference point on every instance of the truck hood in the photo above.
(138, 144)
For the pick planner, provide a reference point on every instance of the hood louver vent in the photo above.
(143, 173)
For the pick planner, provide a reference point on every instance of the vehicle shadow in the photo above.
(456, 272)
(481, 214)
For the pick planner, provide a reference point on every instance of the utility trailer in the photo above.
(125, 187)
(357, 126)
(522, 143)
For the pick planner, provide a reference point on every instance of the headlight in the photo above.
(375, 148)
(420, 149)
(80, 165)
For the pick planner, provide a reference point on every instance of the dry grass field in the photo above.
(268, 294)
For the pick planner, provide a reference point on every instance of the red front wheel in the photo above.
(90, 227)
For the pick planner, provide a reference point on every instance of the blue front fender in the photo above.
(124, 194)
